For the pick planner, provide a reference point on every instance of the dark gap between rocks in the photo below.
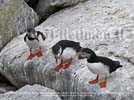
(52, 11)
(32, 3)
(49, 12)
(5, 85)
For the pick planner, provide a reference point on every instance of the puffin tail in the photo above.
(118, 64)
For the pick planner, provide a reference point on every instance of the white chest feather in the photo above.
(33, 43)
(98, 68)
(68, 53)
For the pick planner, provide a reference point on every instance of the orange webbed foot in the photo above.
(57, 68)
(93, 81)
(39, 54)
(31, 56)
(102, 84)
(67, 66)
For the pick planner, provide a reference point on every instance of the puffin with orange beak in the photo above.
(33, 39)
(65, 51)
(99, 65)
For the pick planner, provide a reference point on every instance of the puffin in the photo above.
(65, 51)
(33, 39)
(99, 65)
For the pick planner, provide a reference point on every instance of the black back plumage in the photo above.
(64, 44)
(113, 65)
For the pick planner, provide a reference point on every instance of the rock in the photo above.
(5, 87)
(45, 8)
(15, 17)
(105, 26)
(34, 92)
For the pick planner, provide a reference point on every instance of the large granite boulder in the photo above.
(105, 26)
(34, 92)
(15, 17)
(45, 8)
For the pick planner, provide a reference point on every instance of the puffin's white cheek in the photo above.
(36, 33)
(32, 35)
(58, 55)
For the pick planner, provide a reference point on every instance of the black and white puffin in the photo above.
(99, 65)
(66, 51)
(32, 39)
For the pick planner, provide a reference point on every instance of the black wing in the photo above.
(112, 64)
(25, 37)
(42, 35)
(67, 43)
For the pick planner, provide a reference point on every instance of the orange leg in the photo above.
(68, 64)
(39, 54)
(103, 84)
(58, 67)
(94, 81)
(30, 57)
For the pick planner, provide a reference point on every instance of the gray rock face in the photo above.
(15, 17)
(105, 26)
(34, 92)
(45, 8)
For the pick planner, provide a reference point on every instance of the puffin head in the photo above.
(31, 33)
(78, 51)
(57, 51)
(86, 53)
